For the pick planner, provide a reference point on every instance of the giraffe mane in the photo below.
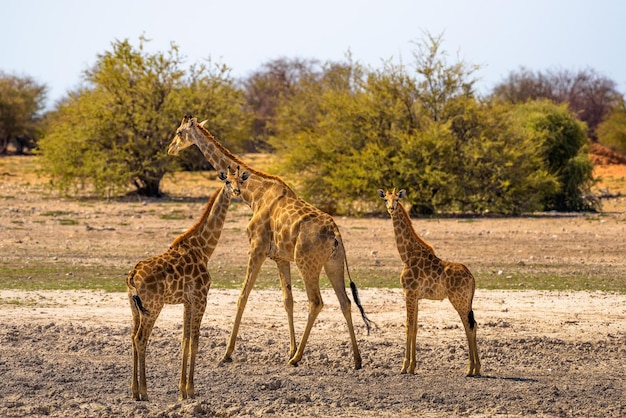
(417, 237)
(238, 160)
(202, 219)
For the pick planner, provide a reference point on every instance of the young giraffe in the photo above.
(426, 276)
(284, 228)
(179, 275)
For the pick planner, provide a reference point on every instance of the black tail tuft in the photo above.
(139, 305)
(470, 318)
(355, 295)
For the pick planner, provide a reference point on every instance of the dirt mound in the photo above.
(601, 155)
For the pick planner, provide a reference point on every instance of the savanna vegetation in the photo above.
(339, 130)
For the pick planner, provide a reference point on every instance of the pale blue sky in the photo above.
(55, 40)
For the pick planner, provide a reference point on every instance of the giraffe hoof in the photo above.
(293, 363)
(225, 360)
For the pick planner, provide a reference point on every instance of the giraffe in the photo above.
(286, 229)
(179, 275)
(426, 276)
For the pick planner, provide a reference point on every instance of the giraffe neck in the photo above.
(260, 189)
(407, 240)
(219, 157)
(205, 234)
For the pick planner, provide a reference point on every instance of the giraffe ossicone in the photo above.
(426, 276)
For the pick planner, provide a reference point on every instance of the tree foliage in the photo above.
(612, 131)
(113, 132)
(21, 103)
(589, 95)
(342, 130)
(352, 130)
(275, 81)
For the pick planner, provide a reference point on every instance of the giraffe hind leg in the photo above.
(475, 360)
(335, 272)
(134, 384)
(470, 326)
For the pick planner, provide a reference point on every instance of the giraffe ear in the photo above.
(381, 193)
(401, 194)
(245, 175)
(203, 123)
(222, 175)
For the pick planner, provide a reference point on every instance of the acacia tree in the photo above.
(590, 96)
(21, 103)
(113, 132)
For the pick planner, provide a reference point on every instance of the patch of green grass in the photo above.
(57, 275)
(546, 280)
(61, 276)
(176, 215)
(66, 221)
(56, 213)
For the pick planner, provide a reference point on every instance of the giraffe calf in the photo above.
(426, 276)
(179, 275)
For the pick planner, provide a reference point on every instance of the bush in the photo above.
(114, 132)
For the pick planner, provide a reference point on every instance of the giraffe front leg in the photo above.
(410, 354)
(254, 265)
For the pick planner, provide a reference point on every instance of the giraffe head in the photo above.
(391, 198)
(184, 135)
(234, 178)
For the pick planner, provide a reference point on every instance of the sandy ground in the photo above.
(544, 353)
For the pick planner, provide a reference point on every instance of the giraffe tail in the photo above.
(355, 292)
(130, 283)
(471, 320)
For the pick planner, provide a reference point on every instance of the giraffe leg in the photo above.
(141, 342)
(254, 265)
(134, 383)
(470, 326)
(284, 272)
(185, 346)
(473, 369)
(410, 354)
(474, 361)
(311, 283)
(335, 270)
(196, 321)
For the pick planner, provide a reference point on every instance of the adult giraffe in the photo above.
(286, 229)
